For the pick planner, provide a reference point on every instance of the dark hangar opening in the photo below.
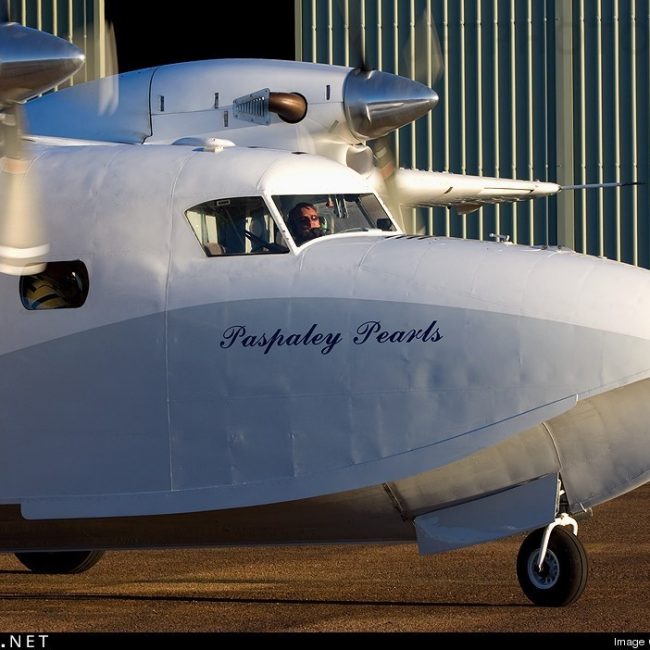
(202, 31)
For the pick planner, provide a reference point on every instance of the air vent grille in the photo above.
(253, 107)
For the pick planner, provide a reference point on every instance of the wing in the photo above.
(415, 188)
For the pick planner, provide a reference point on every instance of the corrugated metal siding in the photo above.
(533, 89)
(79, 21)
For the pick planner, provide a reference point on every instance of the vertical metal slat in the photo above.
(314, 32)
(599, 82)
(479, 90)
(513, 108)
(495, 81)
(330, 33)
(617, 131)
(634, 134)
(583, 128)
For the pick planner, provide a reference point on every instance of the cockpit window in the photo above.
(237, 226)
(311, 216)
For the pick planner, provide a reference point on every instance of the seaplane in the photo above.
(217, 331)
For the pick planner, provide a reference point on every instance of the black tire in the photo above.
(60, 561)
(564, 574)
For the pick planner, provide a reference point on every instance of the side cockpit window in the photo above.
(237, 226)
(62, 285)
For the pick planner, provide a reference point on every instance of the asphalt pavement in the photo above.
(360, 588)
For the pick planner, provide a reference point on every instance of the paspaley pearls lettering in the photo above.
(370, 331)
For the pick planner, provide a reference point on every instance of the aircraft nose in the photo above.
(32, 62)
(377, 103)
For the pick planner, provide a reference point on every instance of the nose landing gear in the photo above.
(552, 565)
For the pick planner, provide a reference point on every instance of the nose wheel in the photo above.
(560, 577)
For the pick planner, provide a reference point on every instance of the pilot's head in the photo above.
(304, 223)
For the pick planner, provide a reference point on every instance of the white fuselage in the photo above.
(190, 383)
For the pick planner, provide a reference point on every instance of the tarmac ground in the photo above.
(365, 588)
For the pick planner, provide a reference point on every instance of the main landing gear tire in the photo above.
(60, 561)
(564, 572)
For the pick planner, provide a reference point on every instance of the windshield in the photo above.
(309, 216)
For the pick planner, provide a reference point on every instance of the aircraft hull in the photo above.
(387, 512)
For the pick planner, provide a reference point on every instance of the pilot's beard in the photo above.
(313, 233)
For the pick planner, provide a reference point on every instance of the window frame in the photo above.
(235, 231)
(66, 281)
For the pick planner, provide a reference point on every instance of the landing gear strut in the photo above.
(552, 565)
(59, 561)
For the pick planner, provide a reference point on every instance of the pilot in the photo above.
(304, 223)
(55, 288)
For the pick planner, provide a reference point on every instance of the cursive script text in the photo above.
(239, 334)
(372, 329)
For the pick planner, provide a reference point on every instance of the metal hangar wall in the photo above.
(535, 89)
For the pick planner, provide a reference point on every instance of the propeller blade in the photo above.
(23, 238)
(109, 94)
(349, 14)
(385, 175)
(421, 56)
(102, 63)
(425, 50)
